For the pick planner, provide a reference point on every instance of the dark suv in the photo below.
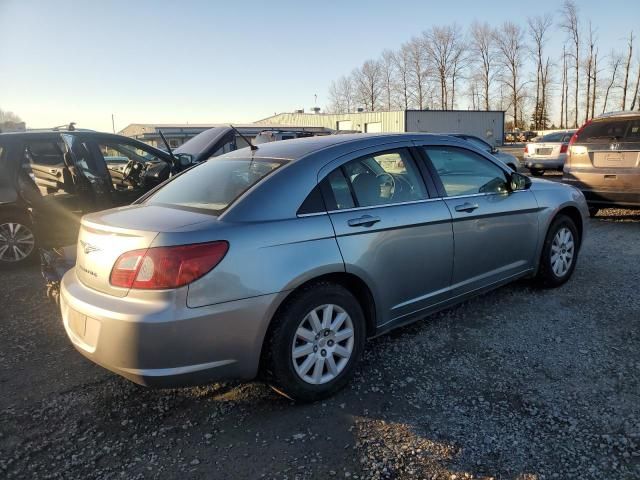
(49, 179)
(604, 161)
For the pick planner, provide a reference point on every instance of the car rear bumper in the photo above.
(164, 343)
(534, 163)
(623, 190)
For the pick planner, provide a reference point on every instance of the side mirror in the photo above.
(519, 182)
(185, 159)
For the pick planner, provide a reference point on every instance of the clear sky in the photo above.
(212, 61)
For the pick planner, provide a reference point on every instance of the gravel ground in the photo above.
(516, 384)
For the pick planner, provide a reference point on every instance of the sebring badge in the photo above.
(88, 248)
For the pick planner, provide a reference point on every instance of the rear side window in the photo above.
(608, 130)
(214, 184)
(44, 153)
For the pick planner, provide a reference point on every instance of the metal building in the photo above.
(488, 125)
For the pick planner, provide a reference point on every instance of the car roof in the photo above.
(618, 114)
(298, 148)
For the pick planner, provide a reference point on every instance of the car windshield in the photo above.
(214, 184)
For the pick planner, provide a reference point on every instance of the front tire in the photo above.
(593, 211)
(537, 173)
(559, 253)
(316, 342)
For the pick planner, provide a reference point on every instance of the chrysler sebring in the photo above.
(278, 262)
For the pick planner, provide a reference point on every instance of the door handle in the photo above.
(466, 207)
(364, 221)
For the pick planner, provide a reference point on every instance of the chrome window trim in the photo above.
(412, 202)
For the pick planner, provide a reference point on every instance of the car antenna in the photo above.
(251, 145)
(166, 144)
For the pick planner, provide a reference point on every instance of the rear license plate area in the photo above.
(543, 151)
(77, 322)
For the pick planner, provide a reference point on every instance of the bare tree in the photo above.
(403, 69)
(511, 47)
(368, 83)
(594, 78)
(419, 71)
(6, 116)
(538, 28)
(444, 48)
(482, 47)
(387, 71)
(563, 88)
(635, 92)
(571, 24)
(589, 68)
(626, 73)
(614, 64)
(341, 95)
(544, 89)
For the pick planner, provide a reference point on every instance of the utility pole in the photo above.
(113, 124)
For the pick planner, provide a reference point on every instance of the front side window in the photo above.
(214, 184)
(117, 154)
(380, 179)
(464, 172)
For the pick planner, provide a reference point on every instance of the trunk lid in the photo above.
(104, 236)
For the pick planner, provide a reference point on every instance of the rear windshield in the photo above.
(214, 184)
(563, 137)
(607, 130)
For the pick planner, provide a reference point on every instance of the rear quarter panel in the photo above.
(263, 258)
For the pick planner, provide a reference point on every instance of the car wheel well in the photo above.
(574, 214)
(351, 282)
(355, 285)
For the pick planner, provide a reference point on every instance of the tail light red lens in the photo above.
(575, 136)
(166, 267)
(526, 149)
(564, 147)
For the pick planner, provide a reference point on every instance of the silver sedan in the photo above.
(279, 262)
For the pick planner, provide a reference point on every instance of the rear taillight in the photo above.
(166, 267)
(564, 147)
(526, 149)
(575, 136)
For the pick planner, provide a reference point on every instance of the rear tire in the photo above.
(17, 240)
(307, 363)
(559, 253)
(537, 173)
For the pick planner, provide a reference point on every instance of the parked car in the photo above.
(509, 160)
(549, 152)
(281, 261)
(604, 161)
(48, 179)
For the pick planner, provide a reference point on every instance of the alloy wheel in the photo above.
(323, 344)
(562, 252)
(16, 242)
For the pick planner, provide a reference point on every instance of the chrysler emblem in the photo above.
(88, 248)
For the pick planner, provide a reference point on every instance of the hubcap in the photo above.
(16, 242)
(562, 251)
(323, 344)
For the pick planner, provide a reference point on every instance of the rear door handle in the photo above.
(364, 221)
(466, 207)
